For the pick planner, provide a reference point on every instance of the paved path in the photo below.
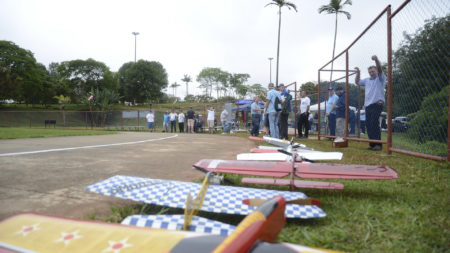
(53, 180)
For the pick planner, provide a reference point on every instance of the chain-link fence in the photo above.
(411, 46)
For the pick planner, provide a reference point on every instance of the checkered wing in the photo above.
(218, 199)
(176, 222)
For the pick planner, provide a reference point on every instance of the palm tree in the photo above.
(187, 79)
(280, 3)
(174, 87)
(335, 7)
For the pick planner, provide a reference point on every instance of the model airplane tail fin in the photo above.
(194, 205)
(265, 223)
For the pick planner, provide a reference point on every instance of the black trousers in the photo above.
(373, 113)
(332, 124)
(284, 125)
(303, 124)
(181, 127)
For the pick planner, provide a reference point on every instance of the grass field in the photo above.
(409, 214)
(15, 133)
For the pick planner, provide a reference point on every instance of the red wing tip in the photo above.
(316, 202)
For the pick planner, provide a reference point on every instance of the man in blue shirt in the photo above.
(166, 122)
(272, 112)
(256, 117)
(330, 111)
(374, 100)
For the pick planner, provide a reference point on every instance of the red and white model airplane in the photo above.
(278, 170)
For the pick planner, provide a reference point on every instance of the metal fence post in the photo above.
(389, 83)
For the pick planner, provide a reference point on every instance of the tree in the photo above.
(174, 87)
(420, 65)
(63, 100)
(257, 90)
(242, 90)
(335, 7)
(210, 77)
(81, 76)
(237, 80)
(142, 81)
(19, 74)
(187, 79)
(280, 4)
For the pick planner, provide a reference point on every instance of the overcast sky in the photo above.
(237, 36)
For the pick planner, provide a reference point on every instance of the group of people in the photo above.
(194, 121)
(369, 114)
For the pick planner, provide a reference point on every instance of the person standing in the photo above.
(303, 122)
(173, 121)
(181, 121)
(362, 120)
(223, 118)
(272, 111)
(340, 112)
(150, 121)
(256, 117)
(374, 100)
(284, 114)
(211, 114)
(331, 112)
(166, 122)
(190, 120)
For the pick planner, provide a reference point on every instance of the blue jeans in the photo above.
(256, 119)
(273, 124)
(173, 126)
(224, 127)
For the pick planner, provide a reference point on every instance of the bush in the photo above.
(430, 123)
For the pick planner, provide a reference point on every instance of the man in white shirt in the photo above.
(210, 119)
(303, 122)
(150, 121)
(173, 121)
(223, 119)
(181, 121)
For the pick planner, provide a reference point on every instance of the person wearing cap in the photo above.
(272, 112)
(374, 100)
(330, 111)
(340, 112)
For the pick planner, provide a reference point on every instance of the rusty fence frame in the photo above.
(390, 15)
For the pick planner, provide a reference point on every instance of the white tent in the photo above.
(315, 108)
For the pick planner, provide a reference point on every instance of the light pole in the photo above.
(135, 35)
(270, 59)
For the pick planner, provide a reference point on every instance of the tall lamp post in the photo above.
(135, 36)
(270, 59)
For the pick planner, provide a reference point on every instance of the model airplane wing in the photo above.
(40, 233)
(304, 170)
(314, 156)
(176, 222)
(218, 198)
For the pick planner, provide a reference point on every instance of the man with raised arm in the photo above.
(374, 100)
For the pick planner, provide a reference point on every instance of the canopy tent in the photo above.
(315, 108)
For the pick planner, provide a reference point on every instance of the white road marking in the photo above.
(85, 147)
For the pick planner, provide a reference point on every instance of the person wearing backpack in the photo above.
(273, 108)
(303, 122)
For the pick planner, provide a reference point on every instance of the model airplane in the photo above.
(217, 198)
(295, 169)
(41, 233)
(279, 155)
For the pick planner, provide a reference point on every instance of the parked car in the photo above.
(400, 124)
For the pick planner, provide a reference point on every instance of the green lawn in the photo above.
(15, 133)
(409, 214)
